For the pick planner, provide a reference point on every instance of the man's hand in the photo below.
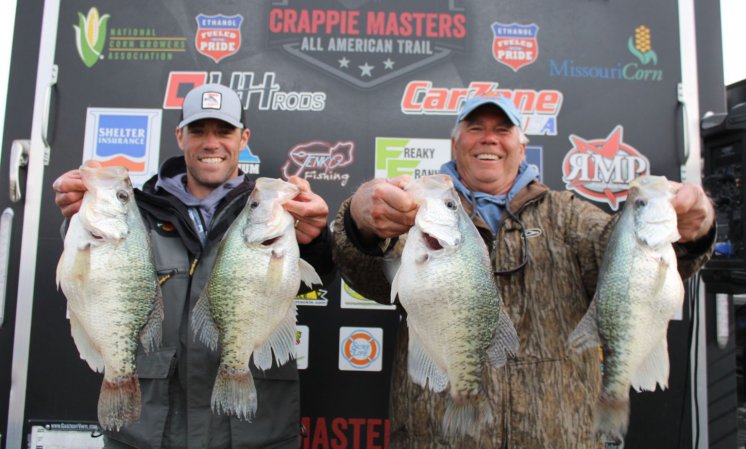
(309, 210)
(381, 208)
(694, 211)
(69, 190)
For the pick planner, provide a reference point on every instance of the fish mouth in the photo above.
(432, 242)
(271, 241)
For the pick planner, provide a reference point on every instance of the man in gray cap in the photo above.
(546, 247)
(188, 207)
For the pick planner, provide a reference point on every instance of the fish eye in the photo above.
(123, 196)
(641, 202)
(450, 204)
(254, 204)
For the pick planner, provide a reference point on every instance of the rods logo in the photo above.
(515, 45)
(90, 36)
(601, 169)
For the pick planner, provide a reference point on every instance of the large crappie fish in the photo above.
(247, 305)
(639, 290)
(113, 297)
(455, 314)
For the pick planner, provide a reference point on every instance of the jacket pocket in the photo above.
(159, 364)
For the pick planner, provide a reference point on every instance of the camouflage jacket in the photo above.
(544, 397)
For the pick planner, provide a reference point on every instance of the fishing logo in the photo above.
(360, 349)
(538, 108)
(363, 45)
(515, 45)
(126, 137)
(601, 169)
(415, 157)
(318, 160)
(350, 299)
(302, 335)
(90, 36)
(639, 45)
(218, 36)
(315, 297)
(256, 90)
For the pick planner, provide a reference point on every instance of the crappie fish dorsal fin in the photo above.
(653, 370)
(86, 348)
(281, 343)
(106, 202)
(654, 215)
(585, 336)
(505, 342)
(152, 332)
(422, 368)
(203, 324)
(308, 274)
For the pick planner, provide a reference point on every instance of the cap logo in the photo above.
(212, 100)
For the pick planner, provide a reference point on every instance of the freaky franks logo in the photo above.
(601, 169)
(90, 36)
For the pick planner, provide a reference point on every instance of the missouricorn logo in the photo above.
(639, 45)
(90, 36)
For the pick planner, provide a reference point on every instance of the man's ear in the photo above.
(179, 137)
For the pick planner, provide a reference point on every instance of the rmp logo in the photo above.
(601, 169)
(218, 36)
(90, 36)
(318, 160)
(360, 349)
(515, 45)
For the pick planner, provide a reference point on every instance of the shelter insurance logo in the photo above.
(218, 36)
(515, 45)
(318, 161)
(364, 45)
(601, 169)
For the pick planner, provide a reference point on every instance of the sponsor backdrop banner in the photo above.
(341, 91)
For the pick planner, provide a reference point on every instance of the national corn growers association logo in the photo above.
(90, 36)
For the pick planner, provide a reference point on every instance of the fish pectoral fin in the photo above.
(281, 342)
(308, 274)
(83, 342)
(422, 368)
(653, 370)
(585, 336)
(505, 342)
(395, 286)
(152, 333)
(660, 277)
(275, 271)
(203, 324)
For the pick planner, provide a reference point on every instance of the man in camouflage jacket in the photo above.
(545, 396)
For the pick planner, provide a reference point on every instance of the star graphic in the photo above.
(388, 64)
(344, 62)
(365, 69)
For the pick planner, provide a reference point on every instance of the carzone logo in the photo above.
(538, 108)
(360, 348)
(601, 169)
(415, 157)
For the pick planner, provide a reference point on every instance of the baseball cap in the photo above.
(212, 101)
(500, 101)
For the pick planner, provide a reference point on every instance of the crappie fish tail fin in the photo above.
(119, 402)
(653, 370)
(585, 336)
(612, 417)
(152, 333)
(308, 274)
(422, 368)
(466, 418)
(234, 394)
(203, 324)
(281, 342)
(83, 342)
(505, 342)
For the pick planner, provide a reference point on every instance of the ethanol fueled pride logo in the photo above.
(515, 45)
(601, 169)
(364, 44)
(218, 36)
